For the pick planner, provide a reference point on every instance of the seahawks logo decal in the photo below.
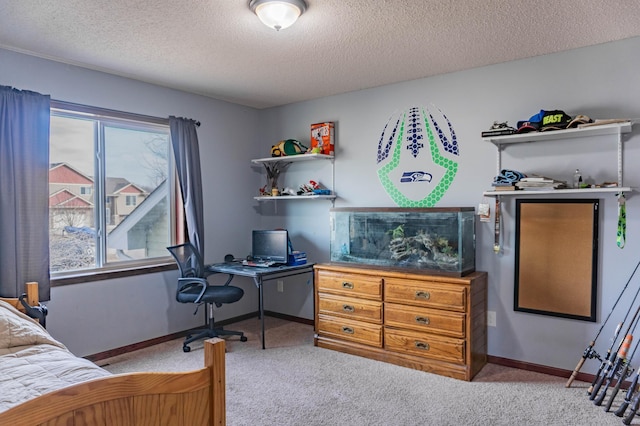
(417, 156)
(415, 177)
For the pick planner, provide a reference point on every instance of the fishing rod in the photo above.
(629, 396)
(622, 372)
(626, 371)
(620, 360)
(607, 363)
(616, 358)
(610, 357)
(589, 352)
(632, 411)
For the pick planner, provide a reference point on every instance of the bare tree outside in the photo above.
(74, 217)
(156, 162)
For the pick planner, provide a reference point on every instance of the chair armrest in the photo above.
(187, 283)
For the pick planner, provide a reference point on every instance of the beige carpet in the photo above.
(294, 383)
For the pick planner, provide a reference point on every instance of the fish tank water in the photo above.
(436, 240)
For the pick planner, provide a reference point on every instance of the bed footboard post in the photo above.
(214, 359)
(31, 289)
(33, 298)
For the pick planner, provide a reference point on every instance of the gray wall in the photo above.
(98, 316)
(600, 81)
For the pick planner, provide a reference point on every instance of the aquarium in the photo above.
(437, 240)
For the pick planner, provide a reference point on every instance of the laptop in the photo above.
(269, 248)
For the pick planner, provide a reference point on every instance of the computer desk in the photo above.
(260, 275)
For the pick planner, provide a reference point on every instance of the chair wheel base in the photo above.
(186, 349)
(243, 339)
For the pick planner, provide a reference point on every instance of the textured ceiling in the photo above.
(219, 48)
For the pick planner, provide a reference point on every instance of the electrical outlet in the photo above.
(280, 286)
(491, 318)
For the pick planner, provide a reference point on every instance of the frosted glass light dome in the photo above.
(278, 14)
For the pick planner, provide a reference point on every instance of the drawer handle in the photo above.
(420, 294)
(347, 285)
(347, 330)
(423, 320)
(422, 345)
(348, 308)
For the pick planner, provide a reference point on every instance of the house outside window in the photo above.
(112, 192)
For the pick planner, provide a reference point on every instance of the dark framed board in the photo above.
(557, 257)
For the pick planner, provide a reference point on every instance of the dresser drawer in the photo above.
(425, 293)
(355, 285)
(425, 344)
(357, 309)
(355, 331)
(424, 319)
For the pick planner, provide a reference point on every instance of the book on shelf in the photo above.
(537, 179)
(497, 132)
(541, 186)
(505, 188)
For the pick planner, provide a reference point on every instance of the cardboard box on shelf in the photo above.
(322, 137)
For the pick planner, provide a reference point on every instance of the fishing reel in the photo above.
(623, 372)
(590, 353)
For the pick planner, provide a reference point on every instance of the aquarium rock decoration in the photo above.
(422, 248)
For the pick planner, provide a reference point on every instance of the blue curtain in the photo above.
(24, 197)
(187, 154)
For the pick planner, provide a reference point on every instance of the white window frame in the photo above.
(126, 267)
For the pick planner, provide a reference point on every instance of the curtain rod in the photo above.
(110, 112)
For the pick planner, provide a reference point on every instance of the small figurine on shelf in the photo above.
(273, 192)
(305, 189)
(313, 188)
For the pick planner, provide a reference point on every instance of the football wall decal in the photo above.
(417, 156)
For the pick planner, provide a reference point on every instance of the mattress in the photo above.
(33, 363)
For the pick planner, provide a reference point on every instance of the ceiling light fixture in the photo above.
(278, 14)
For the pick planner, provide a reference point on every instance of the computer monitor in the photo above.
(270, 245)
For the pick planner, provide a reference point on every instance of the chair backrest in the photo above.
(189, 260)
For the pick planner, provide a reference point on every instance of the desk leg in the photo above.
(261, 294)
(258, 281)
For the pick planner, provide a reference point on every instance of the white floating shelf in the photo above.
(523, 193)
(292, 158)
(555, 135)
(295, 197)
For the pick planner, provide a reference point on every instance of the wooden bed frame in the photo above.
(32, 297)
(188, 398)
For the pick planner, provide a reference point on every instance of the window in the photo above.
(112, 190)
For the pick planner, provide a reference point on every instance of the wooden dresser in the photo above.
(432, 323)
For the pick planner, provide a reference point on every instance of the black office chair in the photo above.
(194, 288)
